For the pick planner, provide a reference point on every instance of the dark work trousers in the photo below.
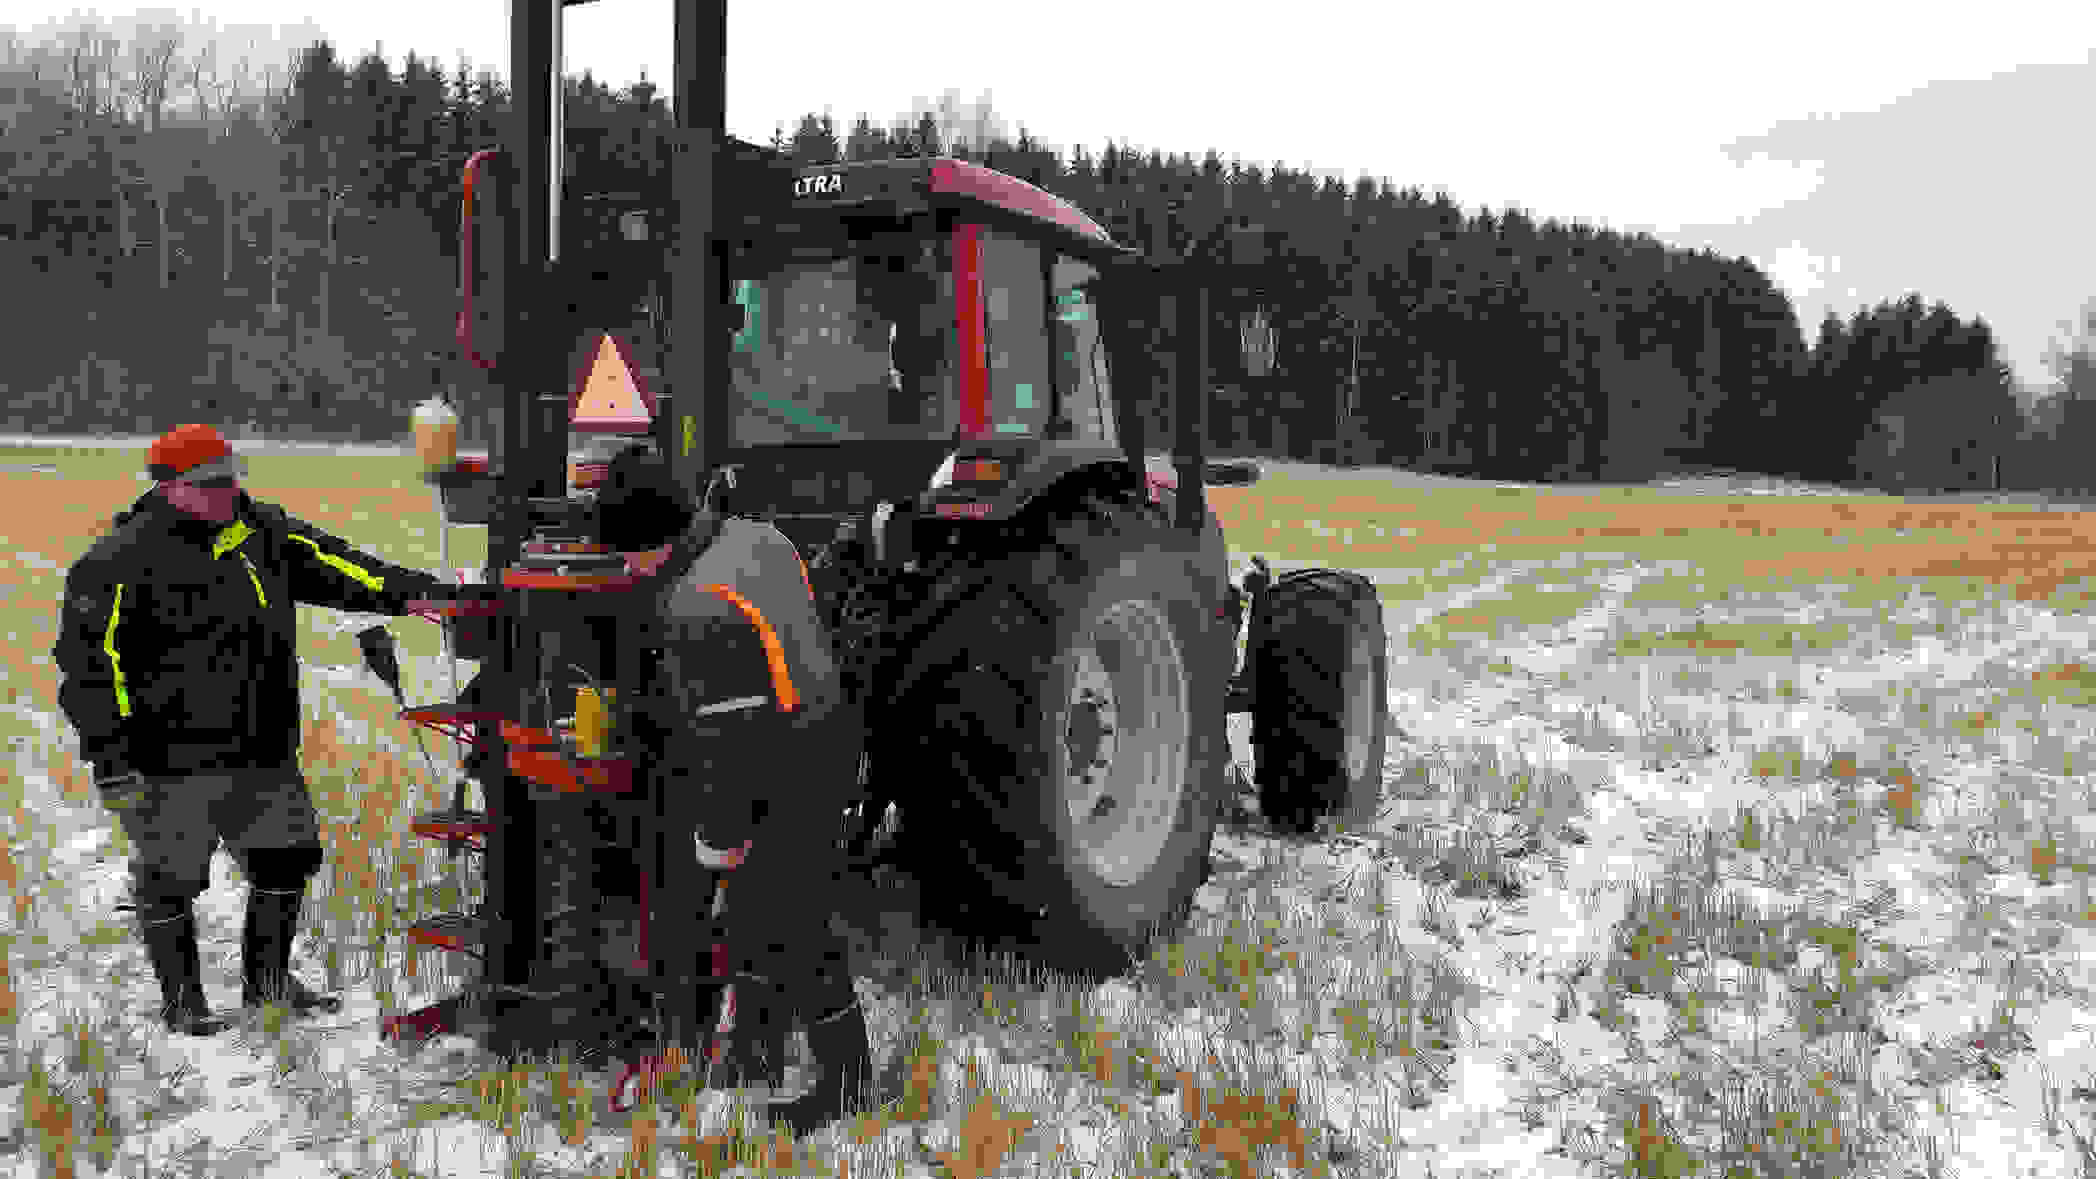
(780, 782)
(175, 824)
(781, 905)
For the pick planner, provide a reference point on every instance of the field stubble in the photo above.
(1724, 837)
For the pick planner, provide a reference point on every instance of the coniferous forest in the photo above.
(282, 259)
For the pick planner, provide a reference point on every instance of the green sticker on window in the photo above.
(797, 414)
(750, 298)
(1022, 396)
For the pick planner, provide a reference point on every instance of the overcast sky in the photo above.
(1855, 151)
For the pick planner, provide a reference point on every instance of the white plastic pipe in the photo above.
(444, 563)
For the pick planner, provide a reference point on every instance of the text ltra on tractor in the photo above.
(890, 379)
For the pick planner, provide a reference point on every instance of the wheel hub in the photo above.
(1088, 741)
(1125, 738)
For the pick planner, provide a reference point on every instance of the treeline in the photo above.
(288, 259)
(280, 259)
(1384, 326)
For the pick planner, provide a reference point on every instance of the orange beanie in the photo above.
(192, 452)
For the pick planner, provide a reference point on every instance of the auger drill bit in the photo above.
(379, 655)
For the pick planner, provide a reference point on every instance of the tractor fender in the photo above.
(1031, 467)
(1207, 556)
(1043, 477)
(1048, 479)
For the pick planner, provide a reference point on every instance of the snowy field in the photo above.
(1669, 868)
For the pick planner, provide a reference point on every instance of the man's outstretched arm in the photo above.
(328, 571)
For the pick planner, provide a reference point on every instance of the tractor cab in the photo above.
(898, 315)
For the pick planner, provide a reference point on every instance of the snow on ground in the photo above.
(1513, 957)
(342, 1083)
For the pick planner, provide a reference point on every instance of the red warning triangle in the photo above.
(609, 396)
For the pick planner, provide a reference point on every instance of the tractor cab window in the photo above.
(1083, 398)
(1015, 300)
(846, 337)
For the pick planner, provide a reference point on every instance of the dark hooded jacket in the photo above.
(178, 637)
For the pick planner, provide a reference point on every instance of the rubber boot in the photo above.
(265, 946)
(171, 945)
(842, 1055)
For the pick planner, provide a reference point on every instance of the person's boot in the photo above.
(842, 1056)
(265, 947)
(171, 946)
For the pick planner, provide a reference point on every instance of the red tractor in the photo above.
(901, 367)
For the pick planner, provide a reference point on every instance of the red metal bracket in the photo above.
(454, 831)
(438, 609)
(573, 775)
(465, 320)
(527, 579)
(425, 1024)
(450, 721)
(648, 1068)
(523, 738)
(451, 932)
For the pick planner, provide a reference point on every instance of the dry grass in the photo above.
(1689, 873)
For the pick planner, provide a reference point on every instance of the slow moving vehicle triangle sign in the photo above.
(609, 397)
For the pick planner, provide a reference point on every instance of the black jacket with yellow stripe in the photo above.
(178, 638)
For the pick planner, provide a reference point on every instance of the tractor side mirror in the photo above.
(1231, 474)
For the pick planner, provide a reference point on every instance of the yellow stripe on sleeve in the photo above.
(354, 572)
(116, 665)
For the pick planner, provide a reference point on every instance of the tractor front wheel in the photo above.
(1320, 710)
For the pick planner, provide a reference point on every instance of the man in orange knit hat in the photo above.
(178, 643)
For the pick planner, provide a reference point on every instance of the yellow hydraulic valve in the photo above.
(592, 721)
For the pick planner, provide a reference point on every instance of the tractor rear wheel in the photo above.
(1060, 715)
(1320, 709)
